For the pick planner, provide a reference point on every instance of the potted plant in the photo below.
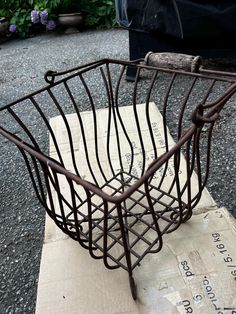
(3, 24)
(69, 14)
(3, 29)
(25, 18)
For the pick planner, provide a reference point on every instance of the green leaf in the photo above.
(101, 11)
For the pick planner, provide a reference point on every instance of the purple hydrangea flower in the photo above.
(50, 25)
(34, 17)
(44, 14)
(12, 28)
(43, 22)
(44, 17)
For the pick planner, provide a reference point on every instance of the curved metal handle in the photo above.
(50, 76)
(175, 61)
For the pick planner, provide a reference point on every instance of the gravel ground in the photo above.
(23, 64)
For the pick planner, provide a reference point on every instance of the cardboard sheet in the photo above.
(194, 272)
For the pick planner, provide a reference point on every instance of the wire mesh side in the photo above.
(151, 171)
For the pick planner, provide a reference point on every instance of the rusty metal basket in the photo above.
(118, 192)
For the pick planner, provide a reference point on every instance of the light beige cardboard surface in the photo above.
(194, 272)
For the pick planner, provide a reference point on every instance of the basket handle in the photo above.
(51, 76)
(175, 61)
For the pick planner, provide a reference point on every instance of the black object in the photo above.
(179, 18)
(195, 27)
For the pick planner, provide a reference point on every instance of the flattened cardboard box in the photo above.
(194, 272)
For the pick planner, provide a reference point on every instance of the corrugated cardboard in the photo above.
(191, 274)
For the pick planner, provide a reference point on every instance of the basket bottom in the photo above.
(100, 230)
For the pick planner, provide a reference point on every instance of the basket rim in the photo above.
(158, 162)
(139, 63)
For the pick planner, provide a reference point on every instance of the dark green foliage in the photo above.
(21, 18)
(99, 13)
(69, 6)
(18, 13)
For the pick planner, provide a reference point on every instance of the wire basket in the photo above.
(126, 179)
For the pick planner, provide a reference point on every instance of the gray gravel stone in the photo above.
(23, 64)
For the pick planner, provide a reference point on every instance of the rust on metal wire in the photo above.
(121, 212)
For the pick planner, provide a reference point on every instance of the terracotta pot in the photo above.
(70, 19)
